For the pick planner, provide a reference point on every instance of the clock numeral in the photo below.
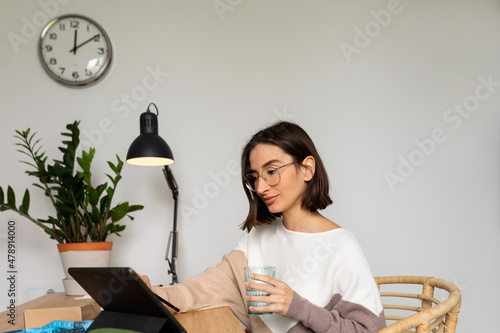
(48, 48)
(62, 26)
(53, 36)
(62, 69)
(53, 61)
(100, 50)
(97, 38)
(88, 72)
(75, 24)
(75, 75)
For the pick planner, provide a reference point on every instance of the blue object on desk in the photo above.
(59, 326)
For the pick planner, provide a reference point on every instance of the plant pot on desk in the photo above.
(97, 254)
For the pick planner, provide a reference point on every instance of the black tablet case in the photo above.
(126, 300)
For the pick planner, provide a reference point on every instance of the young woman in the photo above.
(323, 281)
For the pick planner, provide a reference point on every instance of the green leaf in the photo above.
(96, 214)
(74, 226)
(86, 160)
(65, 200)
(119, 212)
(113, 180)
(93, 196)
(65, 209)
(11, 198)
(2, 203)
(134, 208)
(69, 151)
(120, 163)
(25, 146)
(113, 228)
(28, 163)
(113, 167)
(26, 203)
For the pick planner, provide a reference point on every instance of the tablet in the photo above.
(121, 290)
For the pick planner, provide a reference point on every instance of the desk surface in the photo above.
(212, 320)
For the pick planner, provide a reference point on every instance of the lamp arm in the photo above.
(172, 184)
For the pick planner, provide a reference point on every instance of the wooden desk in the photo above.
(212, 320)
(205, 321)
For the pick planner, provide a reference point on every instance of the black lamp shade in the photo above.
(149, 149)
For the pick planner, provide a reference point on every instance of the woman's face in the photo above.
(288, 193)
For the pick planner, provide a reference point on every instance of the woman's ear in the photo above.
(309, 165)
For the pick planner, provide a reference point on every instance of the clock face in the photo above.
(75, 50)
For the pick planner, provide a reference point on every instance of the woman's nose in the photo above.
(261, 186)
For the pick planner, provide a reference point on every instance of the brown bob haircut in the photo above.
(295, 142)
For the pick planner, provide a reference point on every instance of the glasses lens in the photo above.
(271, 176)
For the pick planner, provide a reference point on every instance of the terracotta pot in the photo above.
(82, 255)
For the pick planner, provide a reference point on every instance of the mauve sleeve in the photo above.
(338, 316)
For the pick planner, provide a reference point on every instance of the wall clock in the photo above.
(75, 50)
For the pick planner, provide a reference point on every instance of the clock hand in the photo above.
(88, 40)
(74, 43)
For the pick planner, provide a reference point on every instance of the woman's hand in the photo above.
(145, 278)
(280, 294)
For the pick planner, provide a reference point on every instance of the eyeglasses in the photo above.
(270, 175)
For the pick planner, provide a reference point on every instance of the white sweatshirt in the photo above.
(322, 268)
(335, 291)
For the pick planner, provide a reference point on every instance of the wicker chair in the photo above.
(428, 314)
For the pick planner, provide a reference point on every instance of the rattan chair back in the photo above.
(434, 308)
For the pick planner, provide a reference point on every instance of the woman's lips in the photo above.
(269, 200)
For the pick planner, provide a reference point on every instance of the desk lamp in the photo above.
(149, 149)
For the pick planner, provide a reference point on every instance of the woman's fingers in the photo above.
(145, 279)
(280, 294)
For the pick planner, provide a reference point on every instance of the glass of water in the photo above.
(262, 270)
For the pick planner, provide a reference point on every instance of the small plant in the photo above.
(83, 213)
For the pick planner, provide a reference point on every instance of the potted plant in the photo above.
(83, 213)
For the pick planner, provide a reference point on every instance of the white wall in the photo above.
(224, 75)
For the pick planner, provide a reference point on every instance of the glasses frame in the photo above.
(261, 176)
